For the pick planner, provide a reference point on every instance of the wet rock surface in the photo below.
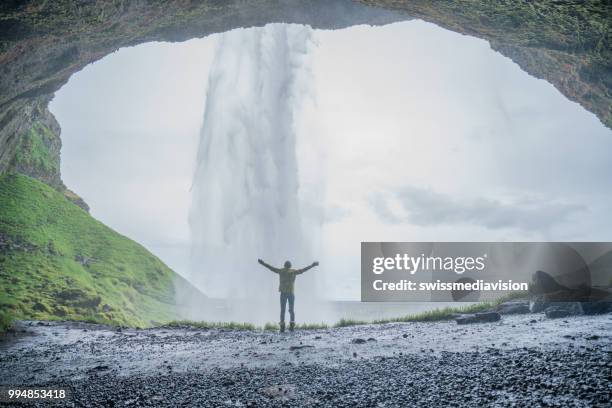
(520, 360)
(555, 312)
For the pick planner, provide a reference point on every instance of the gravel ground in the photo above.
(525, 360)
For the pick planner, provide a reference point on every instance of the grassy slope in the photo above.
(57, 262)
(33, 151)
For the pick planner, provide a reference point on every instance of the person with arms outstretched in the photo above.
(285, 287)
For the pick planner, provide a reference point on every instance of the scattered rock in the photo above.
(583, 298)
(301, 346)
(542, 283)
(555, 312)
(593, 337)
(228, 381)
(559, 310)
(99, 367)
(72, 196)
(59, 311)
(358, 341)
(485, 317)
(597, 307)
(282, 392)
(83, 260)
(40, 307)
(513, 307)
(138, 287)
(535, 367)
(537, 304)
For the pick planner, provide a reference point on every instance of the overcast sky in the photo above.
(418, 134)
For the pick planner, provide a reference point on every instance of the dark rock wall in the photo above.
(42, 43)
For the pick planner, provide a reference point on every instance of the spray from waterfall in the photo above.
(245, 194)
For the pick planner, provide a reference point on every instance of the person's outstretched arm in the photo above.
(270, 267)
(308, 267)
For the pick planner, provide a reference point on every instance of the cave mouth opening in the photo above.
(407, 132)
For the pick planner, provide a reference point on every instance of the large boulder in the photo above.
(597, 307)
(542, 283)
(555, 312)
(563, 310)
(537, 304)
(519, 306)
(547, 293)
(545, 288)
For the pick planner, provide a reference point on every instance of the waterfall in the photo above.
(245, 202)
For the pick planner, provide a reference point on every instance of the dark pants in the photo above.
(284, 297)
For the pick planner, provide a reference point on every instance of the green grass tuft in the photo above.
(311, 326)
(241, 326)
(344, 322)
(271, 327)
(6, 321)
(300, 326)
(211, 325)
(446, 313)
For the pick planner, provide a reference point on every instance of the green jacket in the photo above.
(286, 277)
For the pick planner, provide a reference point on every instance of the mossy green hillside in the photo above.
(33, 151)
(57, 262)
(37, 153)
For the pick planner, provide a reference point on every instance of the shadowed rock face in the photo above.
(43, 43)
(560, 301)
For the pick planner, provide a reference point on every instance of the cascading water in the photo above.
(245, 202)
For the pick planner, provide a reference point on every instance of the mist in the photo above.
(245, 193)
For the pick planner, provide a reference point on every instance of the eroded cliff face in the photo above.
(43, 43)
(31, 136)
(37, 144)
(16, 120)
